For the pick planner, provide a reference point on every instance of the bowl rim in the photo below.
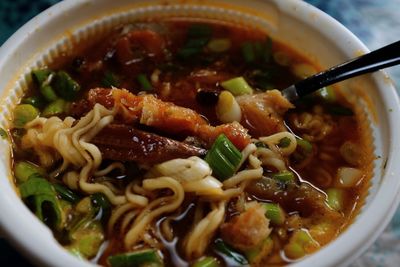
(372, 220)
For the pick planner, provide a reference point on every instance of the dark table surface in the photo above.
(375, 22)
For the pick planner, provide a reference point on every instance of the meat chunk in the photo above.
(263, 113)
(246, 230)
(125, 143)
(165, 116)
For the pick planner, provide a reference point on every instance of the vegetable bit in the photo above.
(86, 238)
(24, 169)
(102, 206)
(36, 101)
(229, 254)
(300, 244)
(284, 176)
(41, 194)
(227, 108)
(255, 255)
(274, 213)
(144, 82)
(284, 142)
(237, 86)
(56, 108)
(257, 51)
(110, 79)
(65, 86)
(66, 193)
(335, 198)
(207, 262)
(146, 257)
(223, 158)
(23, 114)
(198, 36)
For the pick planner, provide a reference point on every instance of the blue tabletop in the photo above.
(375, 22)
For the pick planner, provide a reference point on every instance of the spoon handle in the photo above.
(382, 58)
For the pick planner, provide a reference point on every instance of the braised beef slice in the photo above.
(125, 143)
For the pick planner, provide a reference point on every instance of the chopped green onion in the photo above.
(3, 133)
(144, 82)
(103, 206)
(110, 79)
(327, 94)
(48, 92)
(86, 238)
(283, 176)
(219, 45)
(36, 101)
(275, 213)
(300, 244)
(24, 113)
(192, 48)
(254, 255)
(248, 52)
(223, 157)
(136, 259)
(237, 86)
(41, 75)
(284, 142)
(207, 262)
(66, 193)
(24, 169)
(65, 86)
(304, 145)
(340, 111)
(335, 198)
(226, 251)
(55, 108)
(45, 203)
(260, 144)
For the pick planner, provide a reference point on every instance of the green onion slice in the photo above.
(284, 176)
(144, 82)
(57, 107)
(41, 75)
(229, 253)
(45, 202)
(66, 193)
(24, 169)
(66, 87)
(237, 86)
(136, 259)
(284, 142)
(110, 79)
(223, 157)
(24, 113)
(102, 204)
(274, 213)
(207, 262)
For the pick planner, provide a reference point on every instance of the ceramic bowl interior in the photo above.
(306, 29)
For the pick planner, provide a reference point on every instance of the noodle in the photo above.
(273, 140)
(156, 207)
(198, 239)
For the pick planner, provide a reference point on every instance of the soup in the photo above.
(164, 143)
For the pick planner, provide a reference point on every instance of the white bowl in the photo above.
(303, 27)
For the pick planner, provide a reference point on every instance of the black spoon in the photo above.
(382, 58)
